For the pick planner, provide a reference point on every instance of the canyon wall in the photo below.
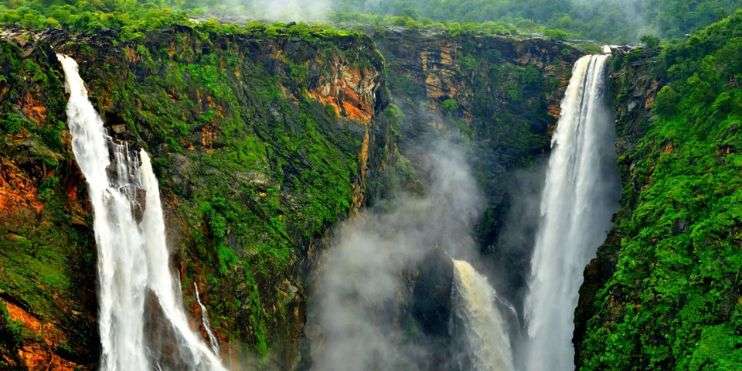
(499, 98)
(262, 139)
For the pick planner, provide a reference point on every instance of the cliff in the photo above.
(261, 140)
(497, 97)
(663, 292)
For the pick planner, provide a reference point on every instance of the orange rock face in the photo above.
(439, 69)
(131, 55)
(208, 136)
(555, 111)
(39, 356)
(36, 358)
(33, 108)
(349, 91)
(16, 190)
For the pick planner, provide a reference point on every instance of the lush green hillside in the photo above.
(603, 20)
(665, 291)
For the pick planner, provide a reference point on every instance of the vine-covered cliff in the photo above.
(664, 290)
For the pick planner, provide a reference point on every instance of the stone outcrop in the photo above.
(350, 91)
(17, 191)
(39, 355)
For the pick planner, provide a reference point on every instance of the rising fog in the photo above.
(271, 10)
(295, 10)
(355, 301)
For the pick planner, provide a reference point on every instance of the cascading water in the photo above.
(579, 197)
(133, 260)
(483, 338)
(213, 341)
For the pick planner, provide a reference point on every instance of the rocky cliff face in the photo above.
(496, 96)
(260, 142)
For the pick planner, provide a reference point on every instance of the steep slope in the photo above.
(261, 139)
(664, 292)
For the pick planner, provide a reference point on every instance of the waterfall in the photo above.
(579, 197)
(133, 259)
(483, 340)
(205, 322)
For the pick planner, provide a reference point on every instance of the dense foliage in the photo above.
(606, 20)
(603, 20)
(513, 28)
(673, 299)
(131, 19)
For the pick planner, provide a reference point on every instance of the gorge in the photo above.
(207, 195)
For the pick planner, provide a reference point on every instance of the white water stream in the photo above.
(213, 341)
(133, 259)
(485, 341)
(579, 197)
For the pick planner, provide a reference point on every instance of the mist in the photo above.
(271, 10)
(292, 10)
(356, 309)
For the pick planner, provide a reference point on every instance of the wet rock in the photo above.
(431, 296)
(118, 128)
(162, 339)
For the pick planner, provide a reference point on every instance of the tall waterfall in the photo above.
(133, 259)
(483, 339)
(579, 197)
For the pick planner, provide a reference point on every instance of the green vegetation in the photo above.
(251, 168)
(605, 20)
(45, 261)
(380, 22)
(673, 300)
(132, 19)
